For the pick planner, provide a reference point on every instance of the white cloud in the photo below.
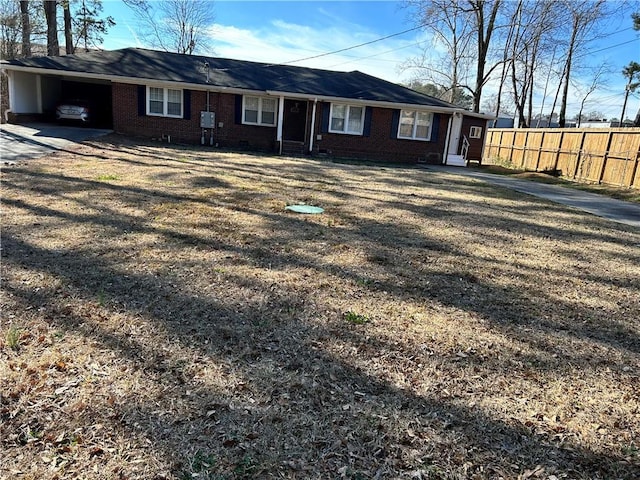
(282, 42)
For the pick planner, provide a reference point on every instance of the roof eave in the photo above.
(233, 90)
(359, 101)
(129, 80)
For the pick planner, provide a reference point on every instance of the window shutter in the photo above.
(186, 104)
(395, 123)
(326, 111)
(142, 100)
(435, 128)
(238, 110)
(367, 121)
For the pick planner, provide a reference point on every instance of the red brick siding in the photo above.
(236, 135)
(379, 145)
(127, 121)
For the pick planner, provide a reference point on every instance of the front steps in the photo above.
(293, 149)
(456, 161)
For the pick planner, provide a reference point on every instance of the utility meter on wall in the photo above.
(207, 119)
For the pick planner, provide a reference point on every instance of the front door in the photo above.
(456, 133)
(294, 120)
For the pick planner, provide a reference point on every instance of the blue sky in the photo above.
(289, 30)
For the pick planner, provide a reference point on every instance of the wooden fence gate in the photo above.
(590, 155)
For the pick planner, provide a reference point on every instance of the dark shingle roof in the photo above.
(240, 74)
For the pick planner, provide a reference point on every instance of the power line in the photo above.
(417, 43)
(354, 46)
(607, 48)
(357, 59)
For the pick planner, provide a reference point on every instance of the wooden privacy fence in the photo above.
(589, 155)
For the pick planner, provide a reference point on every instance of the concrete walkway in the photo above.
(24, 142)
(600, 205)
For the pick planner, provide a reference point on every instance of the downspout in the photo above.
(280, 119)
(207, 69)
(213, 127)
(446, 144)
(313, 125)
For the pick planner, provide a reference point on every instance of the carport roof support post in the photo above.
(280, 120)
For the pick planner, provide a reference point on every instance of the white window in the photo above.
(415, 125)
(346, 119)
(164, 102)
(259, 111)
(174, 103)
(475, 132)
(156, 101)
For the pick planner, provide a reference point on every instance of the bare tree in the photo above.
(451, 33)
(584, 19)
(53, 47)
(175, 25)
(599, 79)
(485, 13)
(528, 44)
(507, 40)
(9, 30)
(465, 30)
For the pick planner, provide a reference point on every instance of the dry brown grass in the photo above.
(163, 317)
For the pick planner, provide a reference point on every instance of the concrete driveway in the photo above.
(599, 205)
(28, 141)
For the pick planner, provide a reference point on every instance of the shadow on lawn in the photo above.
(316, 386)
(382, 238)
(326, 413)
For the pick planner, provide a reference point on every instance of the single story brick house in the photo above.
(255, 106)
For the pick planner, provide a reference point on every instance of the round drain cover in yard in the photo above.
(304, 209)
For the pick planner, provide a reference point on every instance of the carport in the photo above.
(34, 96)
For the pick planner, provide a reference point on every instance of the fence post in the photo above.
(525, 150)
(575, 172)
(512, 145)
(540, 150)
(555, 164)
(604, 159)
(624, 170)
(635, 169)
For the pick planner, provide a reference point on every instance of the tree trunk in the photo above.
(68, 35)
(26, 28)
(530, 93)
(484, 39)
(519, 103)
(53, 47)
(627, 90)
(565, 91)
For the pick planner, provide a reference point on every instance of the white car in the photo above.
(74, 110)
